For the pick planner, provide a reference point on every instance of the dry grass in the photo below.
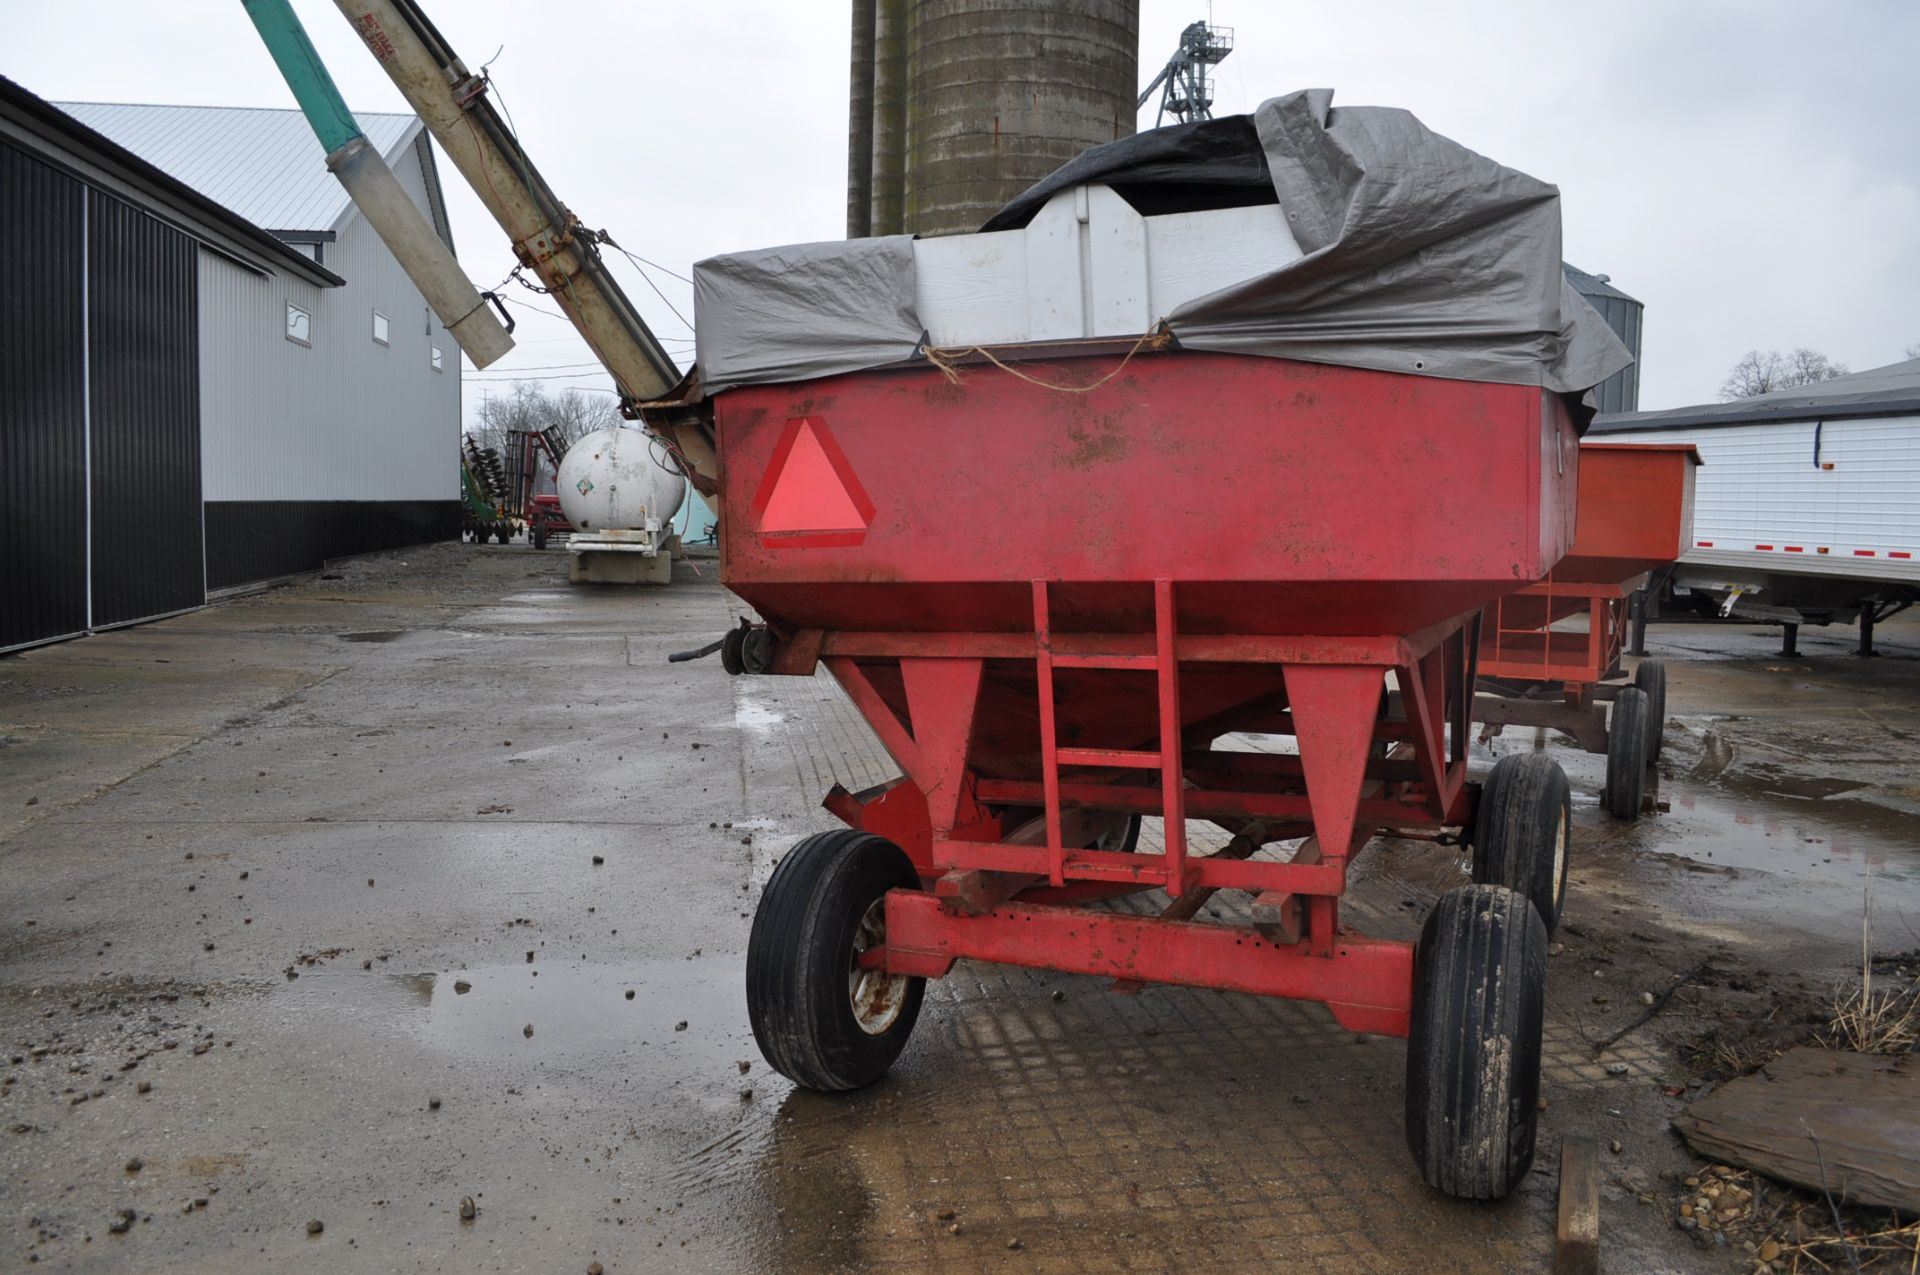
(1870, 1021)
(1889, 1247)
(1719, 1057)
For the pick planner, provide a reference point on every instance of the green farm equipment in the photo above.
(483, 486)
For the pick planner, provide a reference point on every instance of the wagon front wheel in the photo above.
(1523, 831)
(1627, 731)
(822, 1017)
(1473, 1052)
(1651, 677)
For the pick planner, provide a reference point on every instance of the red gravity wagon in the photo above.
(1044, 669)
(1635, 507)
(1056, 564)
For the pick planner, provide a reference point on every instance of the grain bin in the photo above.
(969, 102)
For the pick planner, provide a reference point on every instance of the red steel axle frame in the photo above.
(1520, 643)
(1367, 983)
(996, 899)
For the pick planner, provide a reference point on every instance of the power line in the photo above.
(559, 376)
(544, 367)
(648, 280)
(552, 314)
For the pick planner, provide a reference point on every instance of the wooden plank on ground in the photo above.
(1824, 1119)
(1576, 1246)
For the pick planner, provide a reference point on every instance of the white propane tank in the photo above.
(614, 480)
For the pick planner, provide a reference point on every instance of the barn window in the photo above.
(299, 325)
(380, 327)
(439, 360)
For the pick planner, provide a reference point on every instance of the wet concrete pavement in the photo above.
(310, 865)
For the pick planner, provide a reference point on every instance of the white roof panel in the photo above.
(266, 165)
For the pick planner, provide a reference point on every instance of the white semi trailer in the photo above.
(1807, 510)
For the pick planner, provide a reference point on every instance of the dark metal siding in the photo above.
(1621, 391)
(249, 540)
(144, 363)
(42, 403)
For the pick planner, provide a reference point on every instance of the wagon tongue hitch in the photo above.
(746, 649)
(697, 653)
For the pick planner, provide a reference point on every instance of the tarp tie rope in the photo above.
(947, 360)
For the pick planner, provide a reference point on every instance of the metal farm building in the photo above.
(212, 373)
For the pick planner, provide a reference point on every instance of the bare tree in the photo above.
(1762, 372)
(1913, 351)
(528, 406)
(580, 412)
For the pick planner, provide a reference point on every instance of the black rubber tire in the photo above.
(732, 648)
(799, 955)
(1651, 677)
(1523, 832)
(1627, 753)
(539, 537)
(503, 535)
(1473, 1054)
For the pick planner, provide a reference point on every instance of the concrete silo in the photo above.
(959, 105)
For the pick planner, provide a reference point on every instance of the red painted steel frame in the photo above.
(1519, 642)
(1047, 603)
(1635, 513)
(1365, 982)
(953, 820)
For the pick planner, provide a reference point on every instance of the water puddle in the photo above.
(750, 714)
(1744, 834)
(665, 1017)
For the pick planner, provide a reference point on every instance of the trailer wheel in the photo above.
(821, 1020)
(1523, 832)
(503, 534)
(1651, 677)
(1473, 1054)
(539, 537)
(732, 647)
(1627, 753)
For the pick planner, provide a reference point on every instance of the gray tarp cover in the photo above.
(1419, 256)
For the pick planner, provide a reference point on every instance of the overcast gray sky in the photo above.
(1751, 171)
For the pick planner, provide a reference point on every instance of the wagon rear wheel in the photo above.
(1523, 831)
(1651, 677)
(1627, 732)
(1473, 1054)
(821, 1020)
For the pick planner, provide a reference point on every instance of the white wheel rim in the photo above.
(1559, 853)
(877, 996)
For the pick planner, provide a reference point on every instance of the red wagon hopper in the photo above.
(1537, 668)
(1063, 506)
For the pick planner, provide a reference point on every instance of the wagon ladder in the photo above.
(1163, 663)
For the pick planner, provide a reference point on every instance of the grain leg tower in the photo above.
(959, 105)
